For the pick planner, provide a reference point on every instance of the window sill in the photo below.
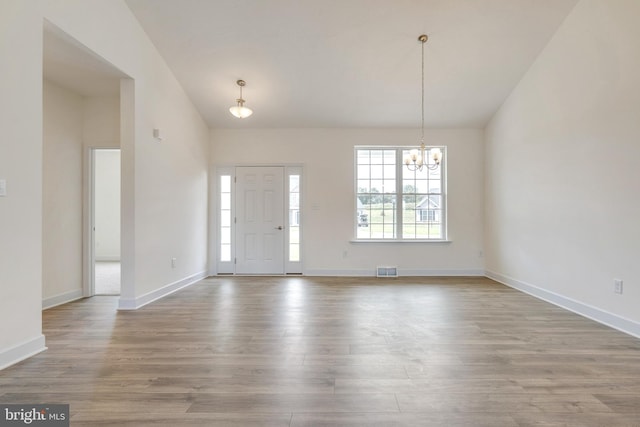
(399, 241)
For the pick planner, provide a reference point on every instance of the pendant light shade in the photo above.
(239, 110)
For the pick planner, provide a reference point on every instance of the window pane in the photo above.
(225, 235)
(294, 200)
(225, 183)
(377, 171)
(389, 186)
(364, 186)
(409, 202)
(389, 216)
(421, 186)
(389, 231)
(376, 186)
(363, 156)
(363, 171)
(225, 218)
(225, 201)
(225, 253)
(294, 183)
(376, 157)
(294, 252)
(389, 171)
(409, 231)
(435, 231)
(390, 157)
(424, 174)
(294, 234)
(294, 217)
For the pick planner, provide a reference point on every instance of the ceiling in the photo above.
(334, 63)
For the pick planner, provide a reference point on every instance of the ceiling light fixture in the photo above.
(420, 157)
(240, 111)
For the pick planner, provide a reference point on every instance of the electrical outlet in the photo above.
(617, 286)
(173, 263)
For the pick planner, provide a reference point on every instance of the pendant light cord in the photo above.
(422, 135)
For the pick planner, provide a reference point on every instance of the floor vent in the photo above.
(387, 271)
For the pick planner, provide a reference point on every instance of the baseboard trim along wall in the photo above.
(61, 299)
(141, 301)
(401, 272)
(21, 352)
(601, 316)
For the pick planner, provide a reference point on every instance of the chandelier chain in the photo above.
(422, 127)
(423, 156)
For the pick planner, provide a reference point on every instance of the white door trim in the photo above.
(88, 223)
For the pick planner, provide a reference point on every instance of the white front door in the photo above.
(260, 220)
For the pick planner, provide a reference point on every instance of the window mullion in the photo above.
(399, 194)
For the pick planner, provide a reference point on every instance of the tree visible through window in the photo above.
(394, 203)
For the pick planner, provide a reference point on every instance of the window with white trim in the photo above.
(294, 217)
(225, 218)
(395, 203)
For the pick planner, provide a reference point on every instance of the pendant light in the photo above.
(239, 110)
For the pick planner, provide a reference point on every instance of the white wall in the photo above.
(107, 205)
(165, 209)
(21, 166)
(101, 121)
(62, 193)
(562, 175)
(329, 191)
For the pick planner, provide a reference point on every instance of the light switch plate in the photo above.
(3, 187)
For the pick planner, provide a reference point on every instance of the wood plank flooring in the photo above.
(301, 351)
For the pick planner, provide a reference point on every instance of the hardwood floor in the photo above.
(298, 351)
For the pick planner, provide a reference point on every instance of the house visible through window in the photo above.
(394, 203)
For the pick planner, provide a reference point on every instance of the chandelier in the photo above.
(421, 157)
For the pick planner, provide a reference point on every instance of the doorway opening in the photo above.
(86, 104)
(106, 221)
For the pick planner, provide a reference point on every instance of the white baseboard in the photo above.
(136, 303)
(601, 316)
(21, 352)
(61, 299)
(436, 273)
(401, 272)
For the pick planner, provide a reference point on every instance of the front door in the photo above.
(260, 220)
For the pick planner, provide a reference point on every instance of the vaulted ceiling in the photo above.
(350, 63)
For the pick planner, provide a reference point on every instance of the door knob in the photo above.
(279, 227)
